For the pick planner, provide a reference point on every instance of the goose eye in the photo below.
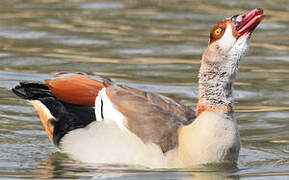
(218, 31)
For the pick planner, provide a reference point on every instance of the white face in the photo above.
(227, 41)
(232, 46)
(227, 49)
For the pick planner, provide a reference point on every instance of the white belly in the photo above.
(105, 142)
(211, 138)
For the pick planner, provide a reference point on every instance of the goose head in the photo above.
(229, 41)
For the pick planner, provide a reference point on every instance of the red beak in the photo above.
(246, 23)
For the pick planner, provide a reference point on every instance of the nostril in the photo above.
(233, 18)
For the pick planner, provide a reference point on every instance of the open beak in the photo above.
(246, 23)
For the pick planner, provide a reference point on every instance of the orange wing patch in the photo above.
(45, 117)
(77, 89)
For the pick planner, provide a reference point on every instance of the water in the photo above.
(153, 45)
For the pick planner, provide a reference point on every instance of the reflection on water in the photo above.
(57, 166)
(151, 45)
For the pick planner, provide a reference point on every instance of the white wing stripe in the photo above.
(105, 111)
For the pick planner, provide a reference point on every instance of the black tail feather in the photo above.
(31, 91)
(67, 117)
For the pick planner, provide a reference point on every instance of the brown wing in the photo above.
(153, 118)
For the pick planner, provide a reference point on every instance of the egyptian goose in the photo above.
(95, 120)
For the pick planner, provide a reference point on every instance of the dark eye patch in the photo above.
(217, 32)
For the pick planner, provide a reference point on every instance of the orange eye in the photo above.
(218, 31)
